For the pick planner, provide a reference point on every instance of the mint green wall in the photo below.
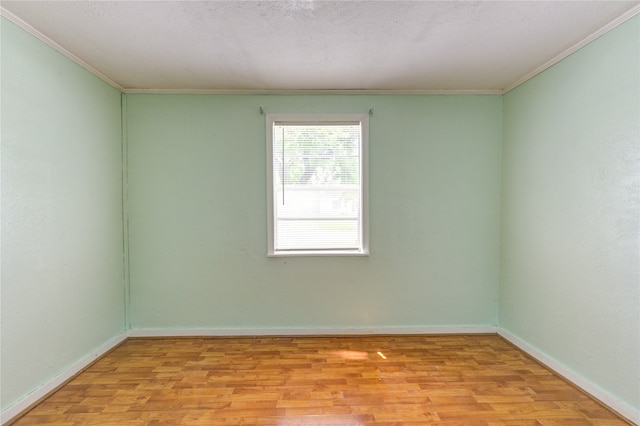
(569, 215)
(570, 269)
(62, 278)
(197, 203)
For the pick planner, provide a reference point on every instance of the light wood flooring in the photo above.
(426, 380)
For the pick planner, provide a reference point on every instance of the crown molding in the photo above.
(531, 74)
(37, 34)
(314, 91)
(611, 25)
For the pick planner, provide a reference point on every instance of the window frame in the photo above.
(311, 119)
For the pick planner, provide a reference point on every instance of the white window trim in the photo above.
(364, 170)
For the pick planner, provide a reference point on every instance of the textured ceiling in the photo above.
(317, 45)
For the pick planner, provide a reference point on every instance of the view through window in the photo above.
(317, 185)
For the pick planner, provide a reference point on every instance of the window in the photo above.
(317, 184)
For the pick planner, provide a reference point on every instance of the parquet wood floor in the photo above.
(426, 380)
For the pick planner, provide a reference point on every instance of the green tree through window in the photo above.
(316, 197)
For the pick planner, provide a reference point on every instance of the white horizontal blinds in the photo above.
(317, 186)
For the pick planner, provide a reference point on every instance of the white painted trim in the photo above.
(592, 389)
(37, 34)
(314, 92)
(51, 43)
(617, 405)
(362, 120)
(346, 331)
(60, 379)
(611, 25)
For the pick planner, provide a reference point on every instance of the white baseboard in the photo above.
(617, 405)
(34, 397)
(347, 331)
(45, 389)
(622, 408)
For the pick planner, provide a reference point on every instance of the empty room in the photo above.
(320, 212)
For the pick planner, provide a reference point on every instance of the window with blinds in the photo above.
(317, 184)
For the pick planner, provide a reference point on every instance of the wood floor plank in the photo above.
(383, 380)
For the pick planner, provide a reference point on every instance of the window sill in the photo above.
(322, 253)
